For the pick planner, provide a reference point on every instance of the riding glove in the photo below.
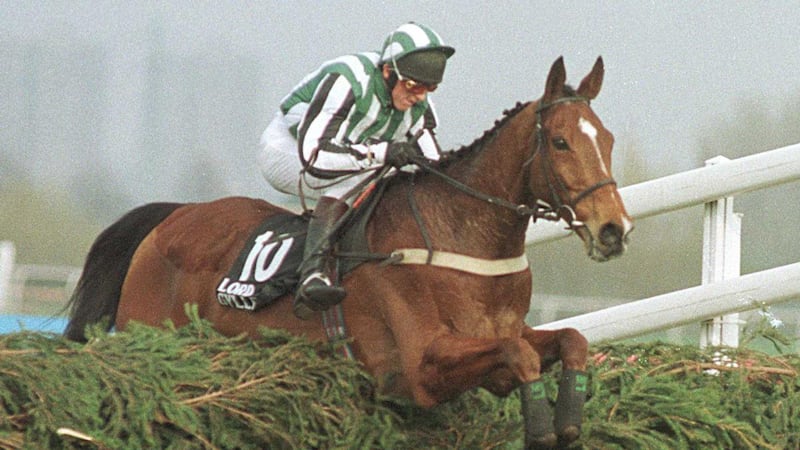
(398, 154)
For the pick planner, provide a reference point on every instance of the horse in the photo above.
(425, 331)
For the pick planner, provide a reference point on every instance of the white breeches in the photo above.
(280, 165)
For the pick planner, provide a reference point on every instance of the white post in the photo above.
(7, 255)
(721, 261)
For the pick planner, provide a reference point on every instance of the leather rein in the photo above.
(541, 209)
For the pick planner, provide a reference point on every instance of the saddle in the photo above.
(268, 266)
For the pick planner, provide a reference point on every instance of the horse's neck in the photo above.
(497, 170)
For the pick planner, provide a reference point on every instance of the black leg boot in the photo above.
(572, 390)
(538, 417)
(317, 291)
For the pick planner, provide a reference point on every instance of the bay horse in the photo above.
(424, 331)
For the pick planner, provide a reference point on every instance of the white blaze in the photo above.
(589, 130)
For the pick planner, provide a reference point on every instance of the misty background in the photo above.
(107, 105)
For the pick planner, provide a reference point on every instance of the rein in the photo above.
(520, 209)
(541, 209)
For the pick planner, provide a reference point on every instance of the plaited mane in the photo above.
(488, 135)
(479, 143)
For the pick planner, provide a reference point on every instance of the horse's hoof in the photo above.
(546, 442)
(568, 435)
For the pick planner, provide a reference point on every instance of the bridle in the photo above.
(554, 183)
(540, 209)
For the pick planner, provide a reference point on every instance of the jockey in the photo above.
(351, 116)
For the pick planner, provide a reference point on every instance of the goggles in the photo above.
(417, 87)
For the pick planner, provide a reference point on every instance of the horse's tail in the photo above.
(97, 293)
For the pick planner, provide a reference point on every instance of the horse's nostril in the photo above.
(611, 235)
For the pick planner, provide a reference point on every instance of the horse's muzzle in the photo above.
(611, 241)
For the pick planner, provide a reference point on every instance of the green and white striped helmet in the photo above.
(416, 51)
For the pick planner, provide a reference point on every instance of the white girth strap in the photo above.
(478, 266)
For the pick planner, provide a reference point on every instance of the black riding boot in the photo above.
(318, 290)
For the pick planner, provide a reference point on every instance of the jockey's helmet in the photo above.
(416, 51)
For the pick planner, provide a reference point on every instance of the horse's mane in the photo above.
(454, 155)
(450, 156)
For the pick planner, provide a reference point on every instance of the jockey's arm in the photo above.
(367, 156)
(322, 132)
(322, 135)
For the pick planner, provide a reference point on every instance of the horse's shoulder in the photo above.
(209, 235)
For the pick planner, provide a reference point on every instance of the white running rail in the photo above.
(723, 292)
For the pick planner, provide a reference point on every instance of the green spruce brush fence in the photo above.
(192, 388)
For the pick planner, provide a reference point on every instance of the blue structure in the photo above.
(16, 322)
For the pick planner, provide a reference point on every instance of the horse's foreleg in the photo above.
(566, 345)
(452, 365)
(572, 348)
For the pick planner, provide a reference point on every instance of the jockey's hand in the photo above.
(399, 154)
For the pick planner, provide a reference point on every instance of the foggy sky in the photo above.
(671, 67)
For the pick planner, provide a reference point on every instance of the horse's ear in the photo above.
(555, 81)
(590, 86)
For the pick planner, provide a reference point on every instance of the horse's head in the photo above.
(571, 168)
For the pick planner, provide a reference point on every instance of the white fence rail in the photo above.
(15, 279)
(687, 306)
(713, 184)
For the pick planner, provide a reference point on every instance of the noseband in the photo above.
(541, 209)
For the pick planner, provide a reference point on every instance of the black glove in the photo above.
(398, 154)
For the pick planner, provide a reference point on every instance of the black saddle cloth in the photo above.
(268, 266)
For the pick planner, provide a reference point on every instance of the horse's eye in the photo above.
(560, 144)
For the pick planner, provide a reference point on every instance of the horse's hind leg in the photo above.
(569, 346)
(151, 293)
